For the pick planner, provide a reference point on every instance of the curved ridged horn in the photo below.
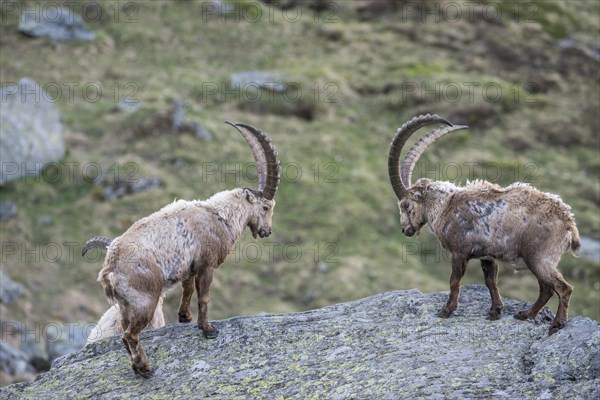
(402, 135)
(265, 156)
(415, 152)
(97, 241)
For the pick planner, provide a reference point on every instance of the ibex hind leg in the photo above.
(139, 317)
(545, 293)
(564, 290)
(185, 314)
(490, 273)
(550, 280)
(125, 322)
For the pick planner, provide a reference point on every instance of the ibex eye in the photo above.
(405, 205)
(265, 208)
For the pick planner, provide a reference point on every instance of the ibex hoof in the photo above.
(494, 315)
(522, 315)
(210, 334)
(555, 327)
(143, 371)
(184, 318)
(443, 313)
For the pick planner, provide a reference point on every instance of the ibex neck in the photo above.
(232, 210)
(437, 197)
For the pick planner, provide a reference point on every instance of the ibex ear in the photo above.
(424, 182)
(250, 196)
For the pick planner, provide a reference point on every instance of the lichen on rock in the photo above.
(387, 346)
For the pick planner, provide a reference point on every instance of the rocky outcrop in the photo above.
(30, 130)
(173, 121)
(269, 80)
(271, 92)
(117, 187)
(388, 346)
(56, 23)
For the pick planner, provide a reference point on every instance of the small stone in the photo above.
(8, 210)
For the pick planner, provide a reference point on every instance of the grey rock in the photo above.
(269, 80)
(30, 130)
(128, 104)
(271, 92)
(180, 124)
(576, 59)
(317, 5)
(200, 131)
(370, 10)
(178, 115)
(8, 210)
(56, 23)
(219, 7)
(388, 346)
(14, 361)
(9, 290)
(45, 220)
(117, 187)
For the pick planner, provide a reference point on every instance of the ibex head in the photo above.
(411, 199)
(261, 201)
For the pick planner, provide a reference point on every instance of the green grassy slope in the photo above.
(532, 109)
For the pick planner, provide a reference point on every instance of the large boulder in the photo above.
(54, 22)
(30, 130)
(388, 346)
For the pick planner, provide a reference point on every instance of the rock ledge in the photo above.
(387, 346)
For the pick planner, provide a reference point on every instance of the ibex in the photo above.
(485, 221)
(185, 242)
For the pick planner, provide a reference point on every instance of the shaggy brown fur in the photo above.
(487, 222)
(110, 322)
(183, 242)
(517, 224)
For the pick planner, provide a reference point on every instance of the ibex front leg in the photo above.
(203, 281)
(459, 266)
